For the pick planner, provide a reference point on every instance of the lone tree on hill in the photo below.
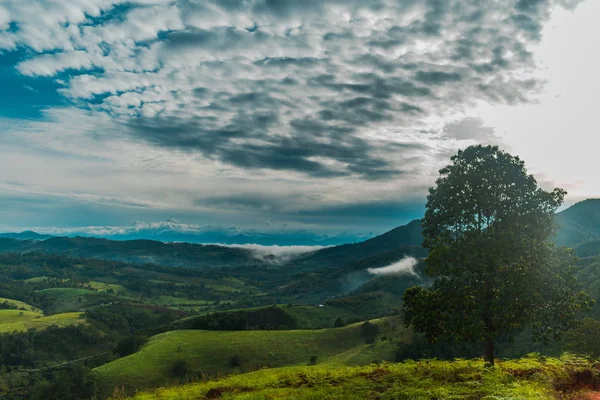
(489, 230)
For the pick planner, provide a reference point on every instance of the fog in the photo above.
(277, 254)
(406, 266)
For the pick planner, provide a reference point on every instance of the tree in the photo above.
(369, 331)
(339, 323)
(584, 339)
(180, 369)
(489, 230)
(235, 361)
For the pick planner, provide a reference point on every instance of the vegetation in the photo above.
(76, 321)
(213, 353)
(529, 378)
(489, 230)
(585, 339)
(15, 320)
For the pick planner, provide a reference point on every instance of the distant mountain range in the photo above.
(580, 229)
(169, 231)
(25, 235)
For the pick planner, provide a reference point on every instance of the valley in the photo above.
(201, 312)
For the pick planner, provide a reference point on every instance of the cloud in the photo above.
(260, 110)
(406, 266)
(277, 254)
(213, 77)
(473, 129)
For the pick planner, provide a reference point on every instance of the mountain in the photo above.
(137, 251)
(379, 251)
(25, 235)
(173, 231)
(579, 223)
(404, 240)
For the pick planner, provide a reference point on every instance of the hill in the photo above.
(404, 240)
(285, 317)
(20, 321)
(525, 379)
(210, 353)
(579, 223)
(136, 251)
(25, 235)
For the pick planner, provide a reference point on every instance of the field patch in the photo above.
(21, 305)
(15, 320)
(76, 299)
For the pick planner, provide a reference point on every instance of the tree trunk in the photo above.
(489, 351)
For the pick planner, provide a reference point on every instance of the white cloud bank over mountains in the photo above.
(279, 243)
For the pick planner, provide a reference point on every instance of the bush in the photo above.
(584, 339)
(313, 360)
(130, 345)
(339, 323)
(180, 369)
(235, 361)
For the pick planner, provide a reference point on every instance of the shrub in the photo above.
(235, 361)
(180, 369)
(584, 339)
(339, 323)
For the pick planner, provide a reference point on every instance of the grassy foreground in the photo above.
(213, 353)
(528, 378)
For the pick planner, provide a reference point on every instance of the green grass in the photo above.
(210, 352)
(301, 317)
(76, 299)
(36, 279)
(175, 301)
(310, 317)
(525, 379)
(104, 287)
(21, 304)
(8, 317)
(15, 320)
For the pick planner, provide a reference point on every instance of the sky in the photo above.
(325, 116)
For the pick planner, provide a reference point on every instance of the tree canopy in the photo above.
(489, 229)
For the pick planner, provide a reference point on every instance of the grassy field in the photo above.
(525, 379)
(211, 353)
(22, 305)
(15, 320)
(298, 316)
(75, 299)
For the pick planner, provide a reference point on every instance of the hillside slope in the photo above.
(404, 240)
(136, 251)
(579, 223)
(525, 379)
(210, 353)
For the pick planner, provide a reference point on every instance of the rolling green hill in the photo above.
(210, 353)
(20, 321)
(20, 305)
(283, 317)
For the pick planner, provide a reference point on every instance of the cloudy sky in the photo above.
(321, 115)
